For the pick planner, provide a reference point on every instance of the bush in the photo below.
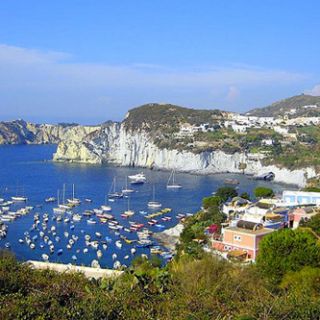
(226, 193)
(287, 250)
(263, 192)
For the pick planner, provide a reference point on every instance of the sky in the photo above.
(91, 61)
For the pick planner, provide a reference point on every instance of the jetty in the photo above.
(88, 272)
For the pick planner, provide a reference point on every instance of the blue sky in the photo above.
(90, 61)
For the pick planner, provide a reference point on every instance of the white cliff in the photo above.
(113, 143)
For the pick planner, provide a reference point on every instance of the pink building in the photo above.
(244, 238)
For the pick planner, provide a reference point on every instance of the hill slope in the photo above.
(301, 105)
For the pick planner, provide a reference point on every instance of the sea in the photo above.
(28, 170)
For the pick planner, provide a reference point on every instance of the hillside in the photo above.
(296, 106)
(154, 116)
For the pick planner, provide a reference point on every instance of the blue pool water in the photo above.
(28, 169)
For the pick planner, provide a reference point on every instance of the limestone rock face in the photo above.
(114, 143)
(22, 132)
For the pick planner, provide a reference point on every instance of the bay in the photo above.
(27, 169)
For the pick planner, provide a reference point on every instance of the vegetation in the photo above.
(263, 192)
(287, 250)
(313, 224)
(282, 107)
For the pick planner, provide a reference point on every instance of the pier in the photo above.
(88, 272)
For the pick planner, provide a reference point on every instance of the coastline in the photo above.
(169, 238)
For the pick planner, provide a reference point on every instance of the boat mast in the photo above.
(58, 197)
(63, 193)
(73, 191)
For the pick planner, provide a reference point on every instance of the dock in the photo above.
(88, 272)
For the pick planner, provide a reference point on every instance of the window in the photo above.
(237, 238)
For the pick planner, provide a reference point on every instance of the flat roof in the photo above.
(248, 231)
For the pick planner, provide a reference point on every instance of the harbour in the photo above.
(90, 228)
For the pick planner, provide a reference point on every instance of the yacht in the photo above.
(172, 184)
(139, 176)
(50, 199)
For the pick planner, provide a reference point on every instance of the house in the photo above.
(244, 237)
(302, 214)
(301, 197)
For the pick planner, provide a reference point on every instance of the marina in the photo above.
(106, 232)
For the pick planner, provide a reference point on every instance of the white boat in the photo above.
(19, 199)
(91, 221)
(154, 204)
(138, 176)
(76, 217)
(59, 209)
(128, 212)
(133, 250)
(73, 200)
(99, 254)
(50, 199)
(45, 257)
(172, 184)
(118, 244)
(126, 190)
(106, 208)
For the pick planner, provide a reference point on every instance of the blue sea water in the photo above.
(28, 169)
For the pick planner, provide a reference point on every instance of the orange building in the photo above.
(245, 238)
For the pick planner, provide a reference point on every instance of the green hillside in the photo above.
(155, 116)
(283, 107)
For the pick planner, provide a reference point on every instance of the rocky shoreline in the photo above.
(170, 237)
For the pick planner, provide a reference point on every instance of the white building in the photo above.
(301, 197)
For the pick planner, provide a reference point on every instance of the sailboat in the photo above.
(18, 198)
(63, 205)
(128, 213)
(154, 204)
(59, 209)
(105, 207)
(127, 190)
(74, 201)
(173, 184)
(113, 194)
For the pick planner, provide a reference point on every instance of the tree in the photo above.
(226, 193)
(263, 192)
(313, 223)
(287, 250)
(213, 201)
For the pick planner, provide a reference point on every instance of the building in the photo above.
(244, 238)
(302, 214)
(301, 197)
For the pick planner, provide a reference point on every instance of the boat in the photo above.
(231, 181)
(59, 209)
(173, 184)
(128, 212)
(138, 176)
(113, 194)
(99, 254)
(95, 264)
(50, 199)
(88, 200)
(118, 244)
(76, 217)
(21, 241)
(137, 181)
(268, 176)
(73, 200)
(144, 243)
(19, 199)
(133, 250)
(91, 221)
(98, 234)
(117, 265)
(154, 204)
(45, 257)
(106, 208)
(126, 190)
